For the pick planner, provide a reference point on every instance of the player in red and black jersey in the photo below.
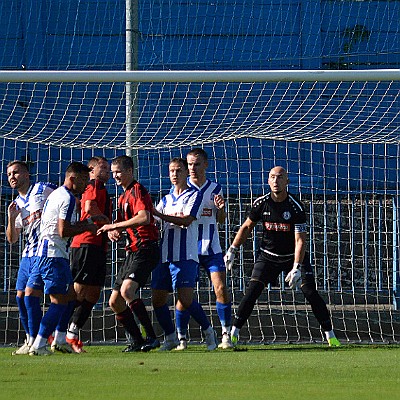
(89, 251)
(142, 254)
(283, 248)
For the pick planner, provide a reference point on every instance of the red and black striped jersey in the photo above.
(134, 199)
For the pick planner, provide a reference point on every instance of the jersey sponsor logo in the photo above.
(207, 212)
(176, 214)
(277, 226)
(32, 218)
(286, 215)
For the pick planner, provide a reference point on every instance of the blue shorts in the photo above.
(212, 263)
(172, 276)
(53, 273)
(24, 271)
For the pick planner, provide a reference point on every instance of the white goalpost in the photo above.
(310, 85)
(343, 159)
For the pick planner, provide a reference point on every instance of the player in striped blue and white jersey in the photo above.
(24, 215)
(179, 210)
(51, 269)
(209, 248)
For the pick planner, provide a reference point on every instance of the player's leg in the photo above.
(60, 342)
(263, 272)
(161, 286)
(124, 316)
(88, 266)
(215, 268)
(86, 298)
(186, 275)
(57, 279)
(141, 264)
(32, 299)
(317, 303)
(22, 279)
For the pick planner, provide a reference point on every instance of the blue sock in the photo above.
(23, 313)
(197, 312)
(34, 310)
(182, 322)
(224, 312)
(163, 316)
(66, 316)
(50, 319)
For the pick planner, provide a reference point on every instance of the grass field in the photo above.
(256, 372)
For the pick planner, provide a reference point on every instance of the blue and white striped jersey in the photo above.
(31, 207)
(208, 241)
(179, 243)
(61, 204)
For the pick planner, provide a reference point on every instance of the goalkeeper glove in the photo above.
(293, 278)
(229, 257)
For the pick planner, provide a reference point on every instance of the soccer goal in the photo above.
(337, 139)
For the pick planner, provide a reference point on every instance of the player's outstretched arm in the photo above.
(241, 236)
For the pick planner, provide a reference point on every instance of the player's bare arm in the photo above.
(140, 219)
(66, 229)
(243, 233)
(300, 247)
(219, 202)
(94, 211)
(12, 232)
(183, 221)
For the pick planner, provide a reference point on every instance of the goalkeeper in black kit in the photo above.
(283, 248)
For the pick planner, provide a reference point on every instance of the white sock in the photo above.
(60, 337)
(329, 334)
(226, 329)
(31, 340)
(39, 342)
(235, 331)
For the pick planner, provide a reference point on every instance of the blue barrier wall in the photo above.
(38, 34)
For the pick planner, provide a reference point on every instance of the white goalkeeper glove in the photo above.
(229, 257)
(293, 278)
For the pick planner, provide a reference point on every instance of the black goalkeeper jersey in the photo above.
(281, 220)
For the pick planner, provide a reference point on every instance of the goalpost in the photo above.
(309, 85)
(339, 145)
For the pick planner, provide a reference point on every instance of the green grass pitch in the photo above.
(256, 372)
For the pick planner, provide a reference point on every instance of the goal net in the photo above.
(311, 86)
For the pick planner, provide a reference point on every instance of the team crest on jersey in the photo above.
(286, 215)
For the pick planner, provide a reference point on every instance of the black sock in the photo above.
(139, 309)
(127, 320)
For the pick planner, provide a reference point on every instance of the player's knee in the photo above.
(309, 290)
(253, 291)
(159, 298)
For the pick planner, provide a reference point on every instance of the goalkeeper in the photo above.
(282, 248)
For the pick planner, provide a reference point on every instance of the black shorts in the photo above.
(138, 265)
(88, 264)
(268, 268)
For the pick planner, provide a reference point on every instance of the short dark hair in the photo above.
(198, 151)
(23, 164)
(179, 160)
(93, 161)
(77, 168)
(125, 162)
